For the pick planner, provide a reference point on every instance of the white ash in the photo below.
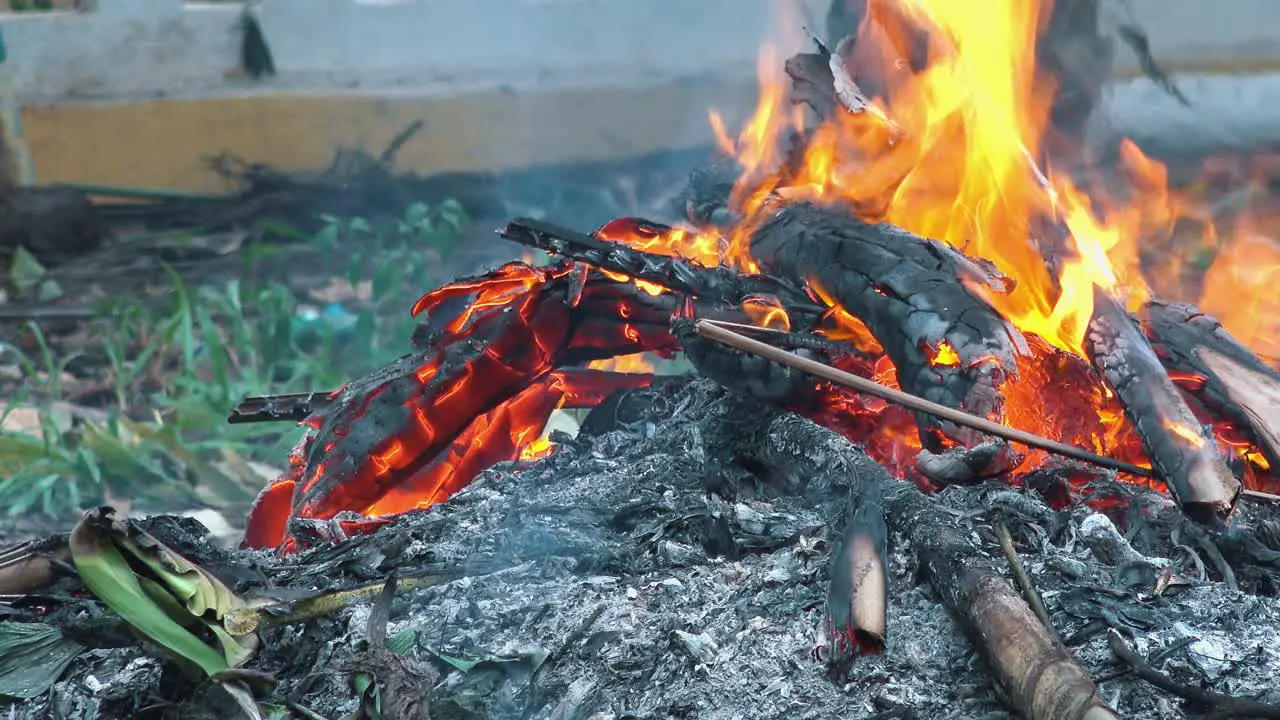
(637, 575)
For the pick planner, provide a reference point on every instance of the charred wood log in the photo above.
(294, 407)
(718, 284)
(756, 376)
(1206, 361)
(858, 595)
(483, 379)
(948, 345)
(1039, 677)
(1183, 454)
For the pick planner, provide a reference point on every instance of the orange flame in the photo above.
(1191, 435)
(767, 312)
(634, 363)
(949, 152)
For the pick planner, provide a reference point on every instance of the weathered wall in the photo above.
(140, 91)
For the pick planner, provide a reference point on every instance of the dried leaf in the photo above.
(240, 692)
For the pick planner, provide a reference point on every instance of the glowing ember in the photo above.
(767, 313)
(944, 355)
(636, 363)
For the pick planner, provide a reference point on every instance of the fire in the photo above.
(767, 313)
(634, 363)
(1194, 438)
(956, 160)
(948, 145)
(537, 449)
(1239, 290)
(943, 355)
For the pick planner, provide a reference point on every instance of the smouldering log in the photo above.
(717, 284)
(294, 407)
(1183, 454)
(1040, 678)
(858, 595)
(948, 345)
(1218, 370)
(483, 380)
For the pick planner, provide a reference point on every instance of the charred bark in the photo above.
(908, 292)
(1218, 370)
(858, 595)
(1040, 678)
(1183, 454)
(721, 285)
(484, 373)
(1039, 675)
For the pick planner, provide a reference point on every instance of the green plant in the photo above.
(176, 363)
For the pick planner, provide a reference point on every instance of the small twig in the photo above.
(1029, 592)
(388, 156)
(1223, 705)
(304, 712)
(1259, 495)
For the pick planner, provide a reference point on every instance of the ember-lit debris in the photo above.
(1185, 455)
(638, 573)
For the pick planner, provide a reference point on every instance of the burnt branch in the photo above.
(1184, 455)
(1223, 706)
(1218, 370)
(1040, 678)
(908, 292)
(718, 284)
(858, 595)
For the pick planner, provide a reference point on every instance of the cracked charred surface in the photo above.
(1243, 388)
(648, 574)
(483, 376)
(908, 292)
(1183, 454)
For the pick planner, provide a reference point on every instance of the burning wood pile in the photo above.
(919, 345)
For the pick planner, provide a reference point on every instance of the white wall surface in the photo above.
(124, 48)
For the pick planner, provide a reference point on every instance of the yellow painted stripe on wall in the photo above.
(164, 143)
(1256, 66)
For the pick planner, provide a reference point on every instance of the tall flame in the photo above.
(949, 151)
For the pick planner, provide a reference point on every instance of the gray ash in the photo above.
(639, 572)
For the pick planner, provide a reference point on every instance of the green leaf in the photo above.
(328, 235)
(24, 270)
(452, 215)
(49, 291)
(416, 213)
(107, 574)
(402, 642)
(32, 658)
(185, 322)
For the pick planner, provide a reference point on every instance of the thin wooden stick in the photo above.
(716, 330)
(1029, 592)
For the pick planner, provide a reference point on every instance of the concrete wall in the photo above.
(140, 91)
(130, 48)
(1203, 36)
